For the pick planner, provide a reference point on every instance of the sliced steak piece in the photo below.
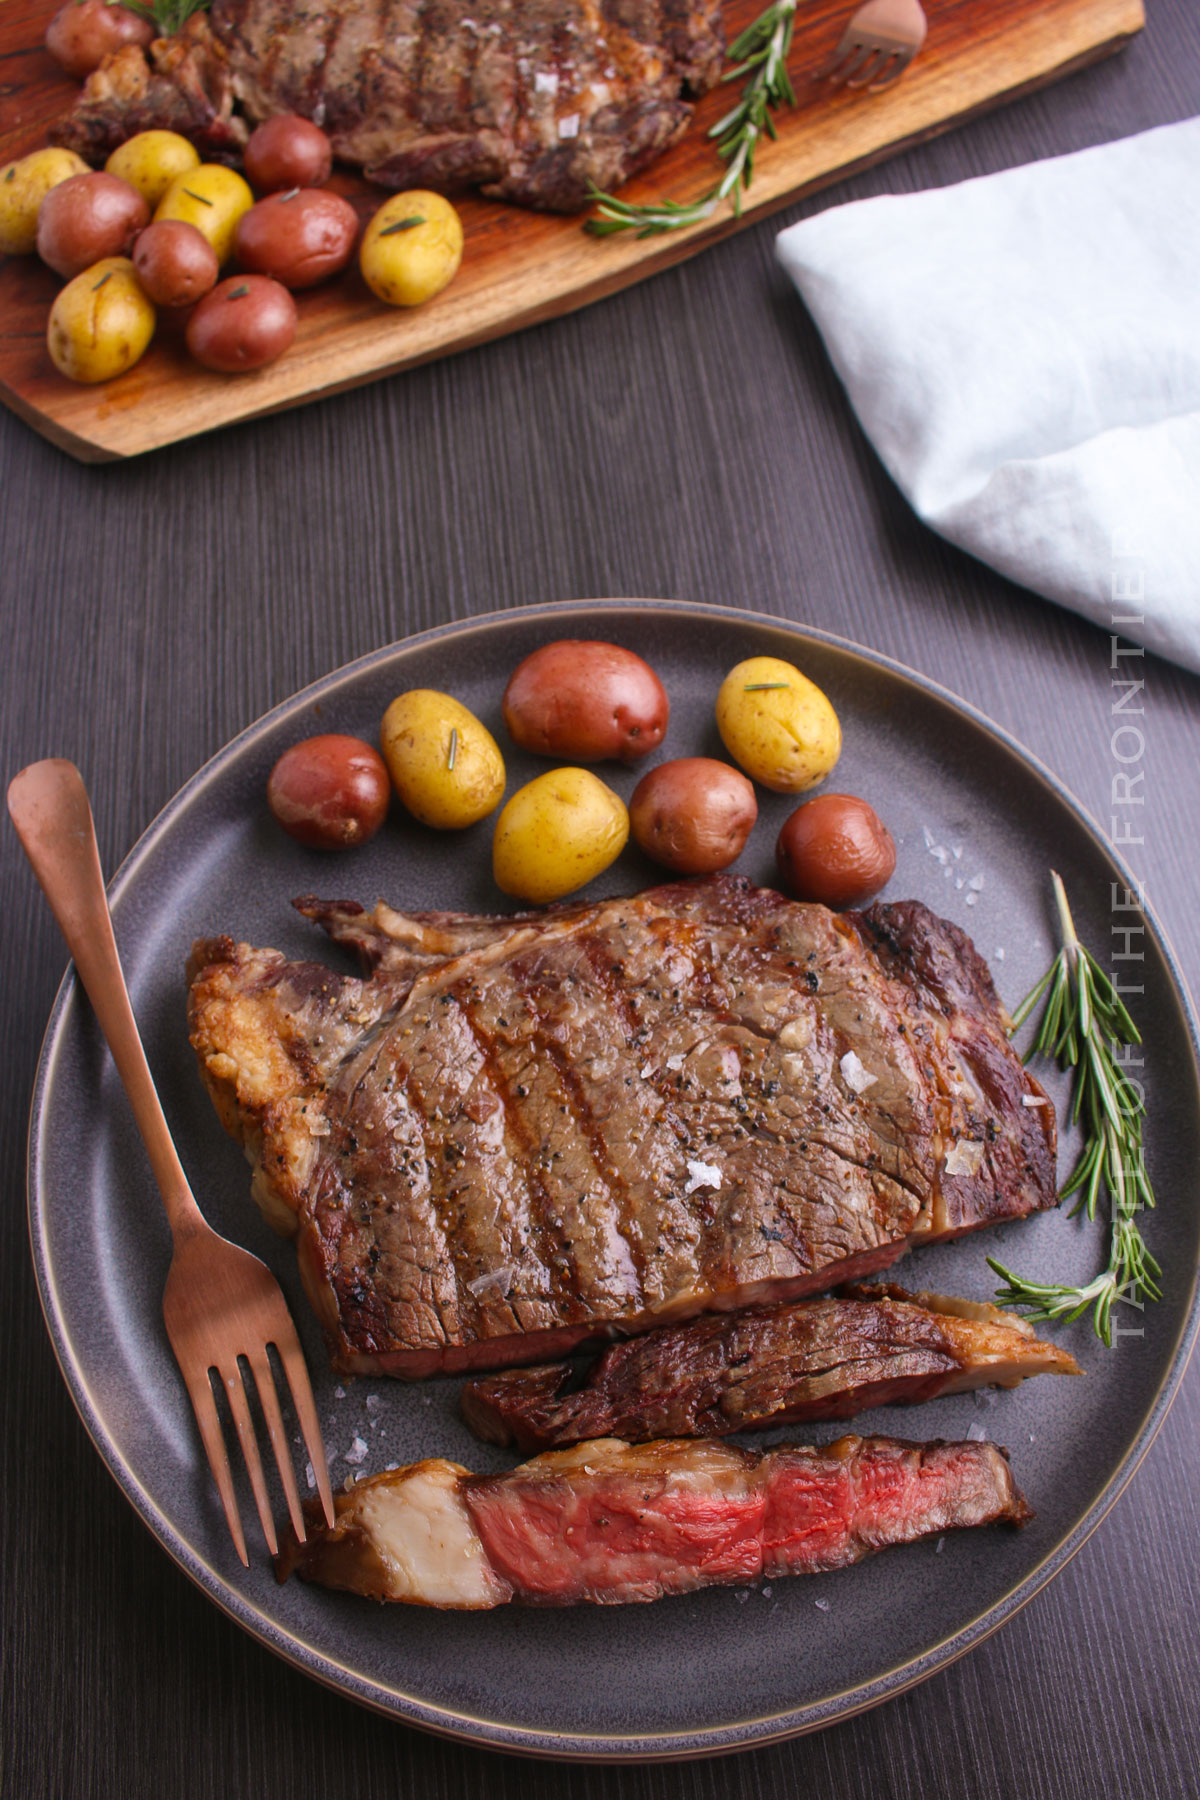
(532, 100)
(608, 1522)
(765, 1366)
(579, 1124)
(182, 84)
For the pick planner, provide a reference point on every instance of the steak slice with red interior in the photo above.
(609, 1522)
(764, 1366)
(522, 1134)
(532, 100)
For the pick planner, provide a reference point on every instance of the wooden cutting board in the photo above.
(520, 267)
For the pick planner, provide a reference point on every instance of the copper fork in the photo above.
(222, 1306)
(877, 46)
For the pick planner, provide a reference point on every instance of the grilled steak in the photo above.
(608, 1522)
(522, 1133)
(765, 1366)
(531, 100)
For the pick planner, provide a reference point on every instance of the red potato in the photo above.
(835, 849)
(245, 323)
(330, 792)
(286, 152)
(693, 815)
(175, 263)
(87, 218)
(586, 702)
(300, 237)
(82, 33)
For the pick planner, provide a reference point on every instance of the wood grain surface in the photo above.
(520, 267)
(686, 438)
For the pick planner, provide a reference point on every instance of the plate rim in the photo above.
(729, 1737)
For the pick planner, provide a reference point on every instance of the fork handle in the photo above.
(49, 807)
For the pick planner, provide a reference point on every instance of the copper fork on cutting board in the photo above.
(877, 46)
(222, 1306)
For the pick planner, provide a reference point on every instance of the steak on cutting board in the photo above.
(764, 1366)
(519, 1134)
(530, 100)
(610, 1522)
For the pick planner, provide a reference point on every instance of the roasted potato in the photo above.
(82, 33)
(286, 152)
(556, 833)
(586, 701)
(175, 263)
(330, 792)
(301, 236)
(100, 323)
(245, 323)
(444, 764)
(693, 815)
(411, 248)
(151, 161)
(23, 187)
(778, 725)
(835, 849)
(212, 199)
(87, 218)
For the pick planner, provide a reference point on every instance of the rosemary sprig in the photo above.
(1083, 1022)
(167, 16)
(760, 54)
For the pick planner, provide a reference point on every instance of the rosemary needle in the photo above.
(167, 16)
(760, 54)
(1083, 1023)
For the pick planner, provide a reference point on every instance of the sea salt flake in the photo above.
(357, 1452)
(822, 1605)
(676, 1062)
(976, 882)
(999, 955)
(701, 1175)
(767, 1592)
(501, 1278)
(976, 1433)
(939, 1546)
(545, 82)
(646, 1072)
(856, 1078)
(339, 1393)
(965, 1158)
(309, 1476)
(1034, 1100)
(569, 127)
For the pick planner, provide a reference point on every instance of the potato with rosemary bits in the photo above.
(777, 725)
(556, 834)
(100, 323)
(212, 199)
(151, 160)
(411, 248)
(444, 763)
(23, 187)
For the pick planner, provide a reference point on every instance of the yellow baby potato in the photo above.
(212, 199)
(556, 834)
(778, 725)
(23, 187)
(411, 248)
(100, 323)
(445, 766)
(151, 161)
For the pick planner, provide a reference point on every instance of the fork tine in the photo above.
(264, 1380)
(287, 1345)
(903, 58)
(861, 55)
(872, 69)
(205, 1408)
(239, 1406)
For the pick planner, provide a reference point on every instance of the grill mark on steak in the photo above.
(534, 100)
(685, 1140)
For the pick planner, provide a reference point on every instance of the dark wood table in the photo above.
(687, 439)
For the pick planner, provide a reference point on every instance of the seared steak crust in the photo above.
(610, 1522)
(182, 84)
(532, 100)
(764, 1366)
(522, 1133)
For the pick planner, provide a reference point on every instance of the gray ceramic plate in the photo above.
(978, 824)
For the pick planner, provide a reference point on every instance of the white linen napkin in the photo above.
(1023, 350)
